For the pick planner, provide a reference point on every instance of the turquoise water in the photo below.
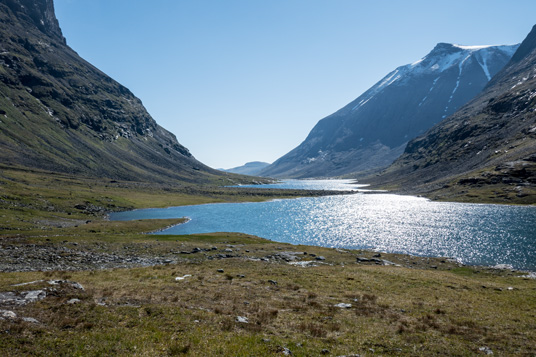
(471, 233)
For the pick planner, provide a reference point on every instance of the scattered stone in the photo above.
(306, 263)
(510, 288)
(285, 351)
(6, 314)
(228, 250)
(324, 351)
(73, 301)
(342, 305)
(32, 296)
(179, 278)
(30, 320)
(387, 262)
(30, 283)
(320, 258)
(74, 284)
(273, 282)
(220, 270)
(486, 350)
(242, 319)
(377, 255)
(266, 340)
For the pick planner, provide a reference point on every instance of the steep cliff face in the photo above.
(372, 131)
(60, 113)
(39, 14)
(489, 144)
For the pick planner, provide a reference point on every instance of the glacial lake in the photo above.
(476, 234)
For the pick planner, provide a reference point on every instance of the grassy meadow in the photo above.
(230, 293)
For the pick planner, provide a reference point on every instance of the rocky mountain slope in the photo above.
(251, 168)
(372, 131)
(487, 148)
(59, 113)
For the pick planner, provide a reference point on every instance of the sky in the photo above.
(246, 80)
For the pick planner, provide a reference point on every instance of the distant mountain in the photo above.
(250, 168)
(60, 113)
(487, 149)
(373, 130)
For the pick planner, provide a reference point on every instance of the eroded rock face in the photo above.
(39, 13)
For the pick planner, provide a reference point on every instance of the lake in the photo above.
(476, 234)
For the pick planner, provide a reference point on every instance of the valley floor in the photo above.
(74, 283)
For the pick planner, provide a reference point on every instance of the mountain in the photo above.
(487, 149)
(373, 130)
(59, 113)
(250, 168)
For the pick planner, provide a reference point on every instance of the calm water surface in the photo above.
(472, 233)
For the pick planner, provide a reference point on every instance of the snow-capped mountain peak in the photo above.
(373, 129)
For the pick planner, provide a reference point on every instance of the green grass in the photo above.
(425, 306)
(395, 310)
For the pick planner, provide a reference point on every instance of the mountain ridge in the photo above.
(60, 113)
(485, 149)
(250, 168)
(371, 132)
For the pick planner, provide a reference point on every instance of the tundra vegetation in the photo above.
(97, 287)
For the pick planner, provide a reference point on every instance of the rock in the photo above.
(29, 283)
(10, 297)
(179, 278)
(242, 319)
(343, 305)
(273, 282)
(228, 250)
(73, 301)
(220, 270)
(285, 351)
(320, 258)
(486, 350)
(8, 314)
(35, 295)
(30, 320)
(324, 351)
(377, 255)
(74, 284)
(387, 262)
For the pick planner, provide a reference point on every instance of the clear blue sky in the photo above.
(246, 80)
